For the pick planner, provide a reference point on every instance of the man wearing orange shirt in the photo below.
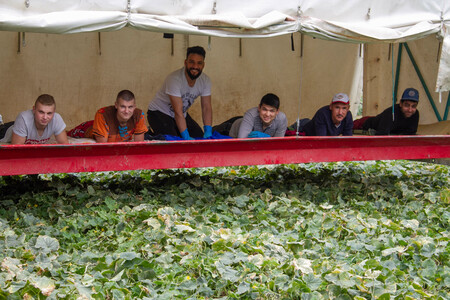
(121, 122)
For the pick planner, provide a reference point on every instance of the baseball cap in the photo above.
(340, 98)
(411, 95)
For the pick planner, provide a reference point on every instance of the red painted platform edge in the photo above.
(71, 158)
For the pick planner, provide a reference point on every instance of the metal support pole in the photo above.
(240, 47)
(18, 43)
(397, 74)
(302, 42)
(447, 107)
(99, 44)
(419, 74)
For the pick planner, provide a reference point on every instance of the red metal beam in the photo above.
(41, 159)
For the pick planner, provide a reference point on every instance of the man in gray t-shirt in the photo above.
(266, 120)
(37, 125)
(167, 112)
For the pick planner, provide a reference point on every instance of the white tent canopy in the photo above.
(353, 21)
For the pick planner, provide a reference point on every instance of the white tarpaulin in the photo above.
(381, 20)
(443, 79)
(342, 20)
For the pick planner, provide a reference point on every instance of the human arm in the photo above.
(140, 128)
(100, 139)
(281, 129)
(62, 138)
(100, 129)
(139, 137)
(258, 134)
(17, 139)
(248, 123)
(206, 110)
(180, 120)
(19, 130)
(320, 125)
(348, 129)
(177, 105)
(58, 128)
(414, 124)
(385, 123)
(206, 115)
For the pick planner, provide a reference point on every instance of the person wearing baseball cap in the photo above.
(406, 117)
(331, 120)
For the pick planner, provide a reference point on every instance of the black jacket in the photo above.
(383, 124)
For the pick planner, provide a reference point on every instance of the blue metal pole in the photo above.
(397, 75)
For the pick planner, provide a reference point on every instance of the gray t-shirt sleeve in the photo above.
(281, 125)
(234, 130)
(20, 126)
(173, 85)
(58, 124)
(8, 135)
(248, 123)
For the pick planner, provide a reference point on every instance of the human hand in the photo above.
(208, 131)
(185, 135)
(258, 134)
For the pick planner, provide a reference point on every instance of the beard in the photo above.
(192, 76)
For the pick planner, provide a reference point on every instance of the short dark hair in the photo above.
(125, 95)
(45, 99)
(196, 50)
(271, 100)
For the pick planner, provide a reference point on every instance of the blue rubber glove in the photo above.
(258, 134)
(185, 135)
(208, 131)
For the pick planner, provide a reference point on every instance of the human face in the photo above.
(43, 114)
(194, 65)
(338, 112)
(125, 109)
(408, 108)
(267, 114)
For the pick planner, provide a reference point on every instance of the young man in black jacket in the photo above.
(406, 117)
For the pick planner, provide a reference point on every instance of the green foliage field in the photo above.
(356, 230)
